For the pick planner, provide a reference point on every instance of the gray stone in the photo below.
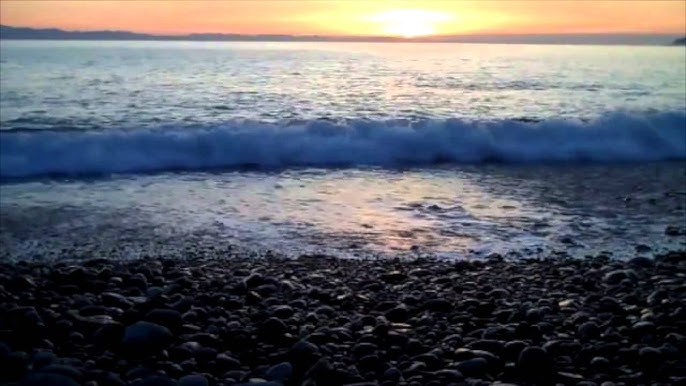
(193, 380)
(47, 379)
(280, 372)
(473, 367)
(143, 338)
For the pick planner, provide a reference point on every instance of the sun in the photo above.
(410, 23)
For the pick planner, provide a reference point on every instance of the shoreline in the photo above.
(328, 321)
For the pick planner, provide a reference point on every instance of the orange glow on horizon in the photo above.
(389, 18)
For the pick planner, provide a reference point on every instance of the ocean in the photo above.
(131, 149)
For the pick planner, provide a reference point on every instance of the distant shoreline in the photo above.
(23, 33)
(339, 41)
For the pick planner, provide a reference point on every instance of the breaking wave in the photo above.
(617, 136)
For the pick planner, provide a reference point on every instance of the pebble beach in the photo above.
(318, 320)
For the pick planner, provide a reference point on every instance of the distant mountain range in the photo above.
(679, 42)
(25, 33)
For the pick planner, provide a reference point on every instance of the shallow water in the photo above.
(453, 212)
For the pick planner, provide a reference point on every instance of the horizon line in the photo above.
(627, 38)
(445, 35)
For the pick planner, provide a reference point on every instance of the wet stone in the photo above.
(168, 318)
(45, 379)
(193, 380)
(143, 338)
(475, 367)
(280, 372)
(323, 321)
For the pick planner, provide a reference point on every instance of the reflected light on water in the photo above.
(452, 212)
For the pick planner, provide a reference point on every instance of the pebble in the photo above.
(318, 320)
(280, 372)
(588, 330)
(165, 317)
(534, 363)
(144, 338)
(475, 367)
(47, 379)
(193, 380)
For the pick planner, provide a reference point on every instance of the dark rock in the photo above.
(392, 374)
(672, 230)
(649, 357)
(498, 293)
(205, 354)
(320, 372)
(438, 305)
(5, 351)
(282, 312)
(363, 349)
(193, 380)
(370, 362)
(65, 370)
(615, 277)
(600, 363)
(226, 362)
(110, 379)
(569, 378)
(145, 338)
(303, 354)
(165, 317)
(41, 359)
(21, 283)
(16, 364)
(398, 314)
(642, 248)
(280, 372)
(449, 375)
(139, 373)
(512, 349)
(273, 328)
(394, 277)
(643, 328)
(139, 281)
(47, 379)
(475, 367)
(642, 262)
(108, 336)
(158, 380)
(255, 280)
(588, 330)
(491, 345)
(534, 364)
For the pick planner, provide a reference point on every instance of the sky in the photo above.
(352, 17)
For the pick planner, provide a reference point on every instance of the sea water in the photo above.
(353, 149)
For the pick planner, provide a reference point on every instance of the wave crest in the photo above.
(617, 136)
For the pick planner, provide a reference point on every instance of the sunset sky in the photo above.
(352, 17)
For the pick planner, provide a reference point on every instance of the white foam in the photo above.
(617, 136)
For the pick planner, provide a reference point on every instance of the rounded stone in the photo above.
(144, 338)
(474, 367)
(193, 380)
(165, 317)
(280, 372)
(534, 363)
(45, 379)
(588, 330)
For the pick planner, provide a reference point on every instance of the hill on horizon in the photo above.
(27, 33)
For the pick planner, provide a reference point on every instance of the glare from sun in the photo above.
(410, 23)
